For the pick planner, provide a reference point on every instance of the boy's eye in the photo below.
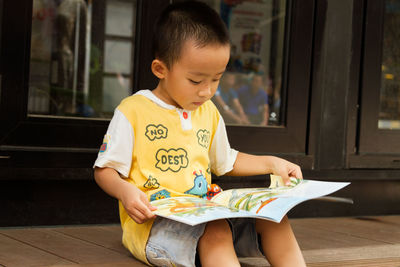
(194, 82)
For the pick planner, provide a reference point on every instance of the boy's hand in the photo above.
(247, 165)
(137, 205)
(285, 169)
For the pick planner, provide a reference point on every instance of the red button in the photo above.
(185, 115)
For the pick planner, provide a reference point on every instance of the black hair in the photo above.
(183, 21)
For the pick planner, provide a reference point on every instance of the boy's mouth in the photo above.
(198, 103)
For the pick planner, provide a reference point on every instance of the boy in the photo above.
(166, 142)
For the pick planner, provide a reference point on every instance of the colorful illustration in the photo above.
(213, 190)
(104, 146)
(200, 187)
(184, 206)
(264, 203)
(160, 195)
(249, 200)
(151, 183)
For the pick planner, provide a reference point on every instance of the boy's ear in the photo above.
(158, 68)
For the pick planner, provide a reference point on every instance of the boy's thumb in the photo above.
(285, 178)
(151, 207)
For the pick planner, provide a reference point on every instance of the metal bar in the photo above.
(76, 54)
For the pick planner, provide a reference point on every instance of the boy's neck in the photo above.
(161, 94)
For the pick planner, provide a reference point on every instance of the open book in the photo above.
(265, 203)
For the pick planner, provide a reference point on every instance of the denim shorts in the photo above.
(174, 244)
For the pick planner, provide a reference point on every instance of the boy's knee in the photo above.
(216, 245)
(218, 230)
(265, 225)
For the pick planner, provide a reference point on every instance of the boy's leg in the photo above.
(173, 243)
(215, 247)
(279, 243)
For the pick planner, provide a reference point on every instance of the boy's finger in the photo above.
(148, 204)
(151, 207)
(137, 217)
(285, 178)
(145, 210)
(297, 172)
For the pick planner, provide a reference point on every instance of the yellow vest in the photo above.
(167, 160)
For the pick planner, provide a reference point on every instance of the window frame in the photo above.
(288, 140)
(13, 107)
(63, 137)
(375, 148)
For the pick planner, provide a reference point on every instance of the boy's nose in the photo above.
(205, 91)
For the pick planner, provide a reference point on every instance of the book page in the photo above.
(275, 202)
(267, 203)
(248, 198)
(194, 210)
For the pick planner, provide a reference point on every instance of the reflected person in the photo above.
(254, 101)
(226, 99)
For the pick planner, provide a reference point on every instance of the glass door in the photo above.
(81, 61)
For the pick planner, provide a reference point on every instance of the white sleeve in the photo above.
(116, 150)
(222, 156)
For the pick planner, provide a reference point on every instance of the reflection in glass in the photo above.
(75, 52)
(250, 91)
(117, 56)
(115, 89)
(389, 115)
(119, 18)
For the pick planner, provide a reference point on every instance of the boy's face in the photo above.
(194, 77)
